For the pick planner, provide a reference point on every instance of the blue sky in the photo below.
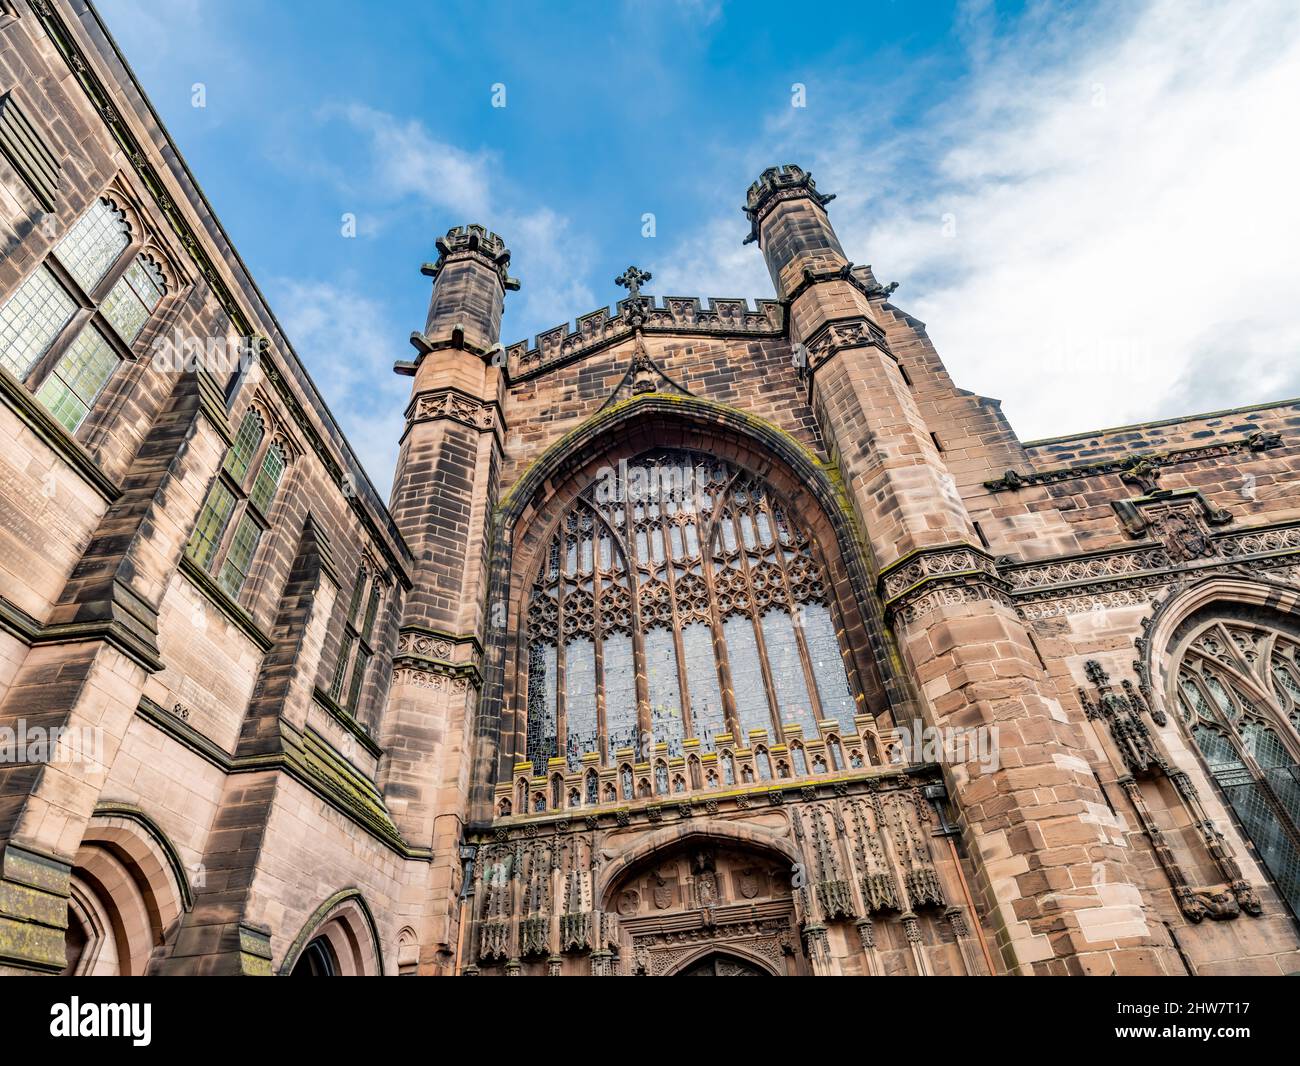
(1091, 206)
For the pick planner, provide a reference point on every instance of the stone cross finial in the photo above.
(632, 279)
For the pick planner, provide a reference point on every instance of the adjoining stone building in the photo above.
(702, 638)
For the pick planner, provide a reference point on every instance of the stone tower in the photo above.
(444, 493)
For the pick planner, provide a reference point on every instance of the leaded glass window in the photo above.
(42, 315)
(1237, 688)
(234, 516)
(677, 599)
(247, 440)
(133, 298)
(30, 320)
(211, 525)
(70, 389)
(268, 479)
(240, 557)
(358, 630)
(93, 243)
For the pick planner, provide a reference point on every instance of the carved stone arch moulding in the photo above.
(687, 959)
(721, 888)
(532, 508)
(1221, 658)
(347, 922)
(145, 236)
(637, 851)
(1187, 599)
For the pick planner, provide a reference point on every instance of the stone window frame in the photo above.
(357, 648)
(246, 510)
(615, 756)
(1219, 699)
(88, 308)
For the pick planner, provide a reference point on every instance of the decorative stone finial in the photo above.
(632, 279)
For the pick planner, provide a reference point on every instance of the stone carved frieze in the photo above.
(448, 403)
(838, 335)
(1184, 525)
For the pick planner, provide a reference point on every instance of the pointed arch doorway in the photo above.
(707, 905)
(721, 964)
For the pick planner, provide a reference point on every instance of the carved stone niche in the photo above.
(703, 907)
(1182, 521)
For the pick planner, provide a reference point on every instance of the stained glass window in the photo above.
(677, 600)
(541, 706)
(1237, 690)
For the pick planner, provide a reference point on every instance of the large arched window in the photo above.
(1238, 686)
(66, 328)
(678, 598)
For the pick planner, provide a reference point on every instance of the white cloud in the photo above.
(714, 262)
(552, 260)
(1124, 211)
(348, 347)
(406, 160)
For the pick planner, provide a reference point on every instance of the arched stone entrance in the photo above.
(706, 906)
(721, 964)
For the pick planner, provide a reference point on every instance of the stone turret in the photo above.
(444, 490)
(470, 280)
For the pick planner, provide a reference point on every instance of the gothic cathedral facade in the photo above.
(701, 638)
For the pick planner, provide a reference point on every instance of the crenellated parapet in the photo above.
(477, 242)
(670, 314)
(774, 185)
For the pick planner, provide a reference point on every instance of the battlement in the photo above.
(668, 314)
(473, 240)
(786, 182)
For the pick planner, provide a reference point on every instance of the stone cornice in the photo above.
(1255, 442)
(436, 643)
(658, 810)
(840, 334)
(457, 405)
(128, 635)
(430, 658)
(945, 574)
(1068, 584)
(435, 674)
(310, 760)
